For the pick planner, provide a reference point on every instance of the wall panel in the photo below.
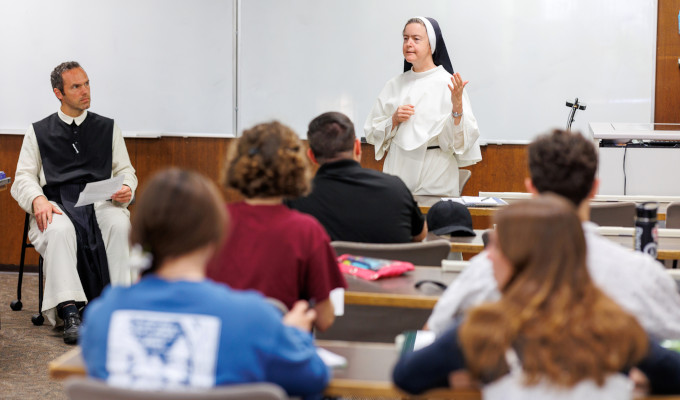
(667, 101)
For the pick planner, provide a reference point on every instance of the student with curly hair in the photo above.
(553, 334)
(282, 253)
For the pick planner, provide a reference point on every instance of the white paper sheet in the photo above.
(331, 359)
(491, 201)
(337, 297)
(454, 265)
(99, 191)
(454, 199)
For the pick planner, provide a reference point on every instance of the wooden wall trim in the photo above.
(666, 94)
(503, 168)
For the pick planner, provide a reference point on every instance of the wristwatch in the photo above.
(456, 114)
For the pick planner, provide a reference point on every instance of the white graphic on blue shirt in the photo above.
(160, 350)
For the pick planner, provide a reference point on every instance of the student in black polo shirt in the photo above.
(354, 203)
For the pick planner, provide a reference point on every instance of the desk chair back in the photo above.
(463, 177)
(430, 253)
(673, 216)
(613, 214)
(673, 220)
(87, 389)
(278, 304)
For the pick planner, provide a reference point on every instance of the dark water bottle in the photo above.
(646, 234)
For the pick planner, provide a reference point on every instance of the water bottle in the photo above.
(646, 234)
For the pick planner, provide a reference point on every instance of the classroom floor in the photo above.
(25, 349)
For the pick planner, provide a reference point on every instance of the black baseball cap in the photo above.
(449, 217)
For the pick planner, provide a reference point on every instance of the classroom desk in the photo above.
(663, 201)
(368, 371)
(399, 291)
(462, 244)
(4, 183)
(425, 202)
(669, 247)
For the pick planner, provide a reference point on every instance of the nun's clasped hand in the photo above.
(402, 114)
(456, 87)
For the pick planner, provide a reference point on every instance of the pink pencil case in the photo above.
(372, 268)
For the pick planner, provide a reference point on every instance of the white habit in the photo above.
(425, 172)
(57, 244)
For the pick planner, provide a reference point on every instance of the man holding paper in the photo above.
(84, 247)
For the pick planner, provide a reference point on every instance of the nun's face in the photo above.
(416, 45)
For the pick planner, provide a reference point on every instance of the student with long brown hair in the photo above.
(282, 253)
(177, 330)
(565, 163)
(553, 333)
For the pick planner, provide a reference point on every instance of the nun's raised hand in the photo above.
(456, 87)
(402, 114)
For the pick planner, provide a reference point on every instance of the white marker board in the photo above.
(523, 59)
(168, 66)
(155, 66)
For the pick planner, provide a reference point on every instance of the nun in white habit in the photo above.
(423, 118)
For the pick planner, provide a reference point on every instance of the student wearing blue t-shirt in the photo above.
(175, 329)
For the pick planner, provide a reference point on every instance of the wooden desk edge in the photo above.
(474, 211)
(61, 367)
(466, 247)
(477, 248)
(390, 300)
(353, 387)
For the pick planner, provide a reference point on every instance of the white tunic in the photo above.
(425, 172)
(57, 244)
(634, 280)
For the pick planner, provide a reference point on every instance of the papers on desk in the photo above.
(477, 201)
(414, 340)
(337, 297)
(99, 191)
(454, 265)
(331, 360)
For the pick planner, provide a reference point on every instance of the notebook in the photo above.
(476, 201)
(409, 341)
(331, 359)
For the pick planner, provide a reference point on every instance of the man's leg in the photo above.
(114, 223)
(57, 245)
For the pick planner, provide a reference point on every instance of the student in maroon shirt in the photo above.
(280, 252)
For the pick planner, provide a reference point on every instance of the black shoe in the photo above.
(71, 328)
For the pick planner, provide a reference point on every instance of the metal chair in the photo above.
(430, 253)
(86, 389)
(613, 214)
(673, 220)
(16, 305)
(463, 177)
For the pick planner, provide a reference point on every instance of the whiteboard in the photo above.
(155, 66)
(523, 59)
